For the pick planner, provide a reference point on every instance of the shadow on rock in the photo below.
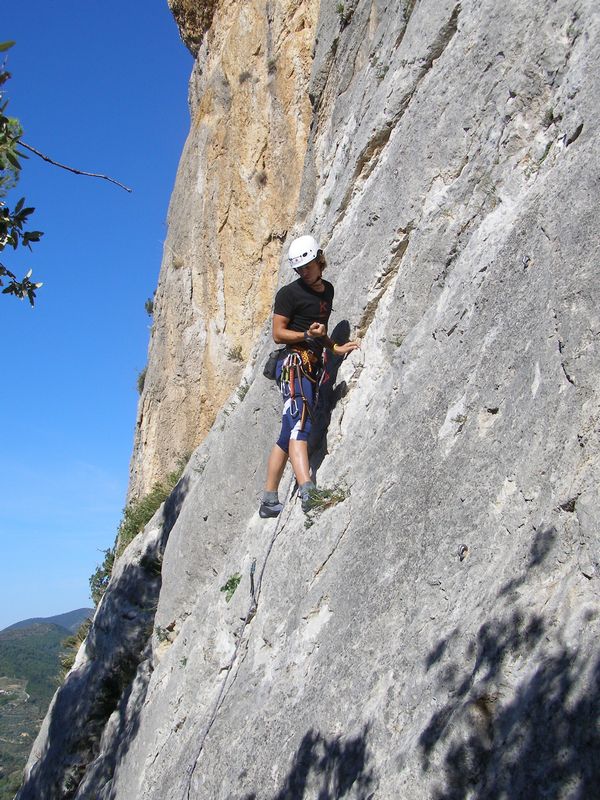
(329, 396)
(328, 769)
(538, 737)
(543, 542)
(110, 687)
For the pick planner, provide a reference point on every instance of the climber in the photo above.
(300, 316)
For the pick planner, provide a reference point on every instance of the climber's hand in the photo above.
(317, 330)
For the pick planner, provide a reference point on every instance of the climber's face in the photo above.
(311, 272)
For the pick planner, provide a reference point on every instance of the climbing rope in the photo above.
(254, 598)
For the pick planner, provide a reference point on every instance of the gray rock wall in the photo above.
(434, 633)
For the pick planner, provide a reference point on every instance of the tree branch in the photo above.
(21, 143)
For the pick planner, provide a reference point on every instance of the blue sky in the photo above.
(101, 86)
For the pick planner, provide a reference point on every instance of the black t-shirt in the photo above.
(303, 306)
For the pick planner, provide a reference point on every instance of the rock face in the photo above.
(235, 197)
(433, 634)
(194, 18)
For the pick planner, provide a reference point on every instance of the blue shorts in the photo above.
(298, 404)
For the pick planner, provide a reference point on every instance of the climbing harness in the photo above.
(300, 363)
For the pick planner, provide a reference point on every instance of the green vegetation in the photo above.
(13, 223)
(345, 14)
(101, 576)
(573, 30)
(162, 634)
(231, 585)
(243, 390)
(325, 498)
(141, 380)
(460, 420)
(31, 654)
(548, 117)
(322, 499)
(7, 698)
(9, 783)
(545, 154)
(19, 723)
(70, 647)
(136, 516)
(235, 353)
(139, 513)
(381, 70)
(29, 662)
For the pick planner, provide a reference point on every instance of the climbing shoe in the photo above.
(270, 509)
(309, 496)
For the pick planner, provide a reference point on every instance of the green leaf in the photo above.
(4, 46)
(11, 157)
(19, 205)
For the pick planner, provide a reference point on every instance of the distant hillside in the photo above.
(20, 721)
(29, 669)
(71, 620)
(31, 654)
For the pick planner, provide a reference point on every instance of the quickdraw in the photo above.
(300, 363)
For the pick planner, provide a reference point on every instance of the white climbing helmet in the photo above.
(302, 251)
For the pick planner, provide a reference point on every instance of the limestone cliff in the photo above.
(433, 633)
(194, 18)
(235, 197)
